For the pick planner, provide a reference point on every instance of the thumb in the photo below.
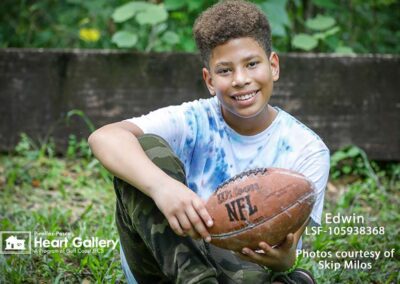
(288, 242)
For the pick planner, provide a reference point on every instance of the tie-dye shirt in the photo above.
(212, 152)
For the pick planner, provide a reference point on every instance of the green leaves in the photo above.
(174, 4)
(320, 23)
(152, 15)
(327, 33)
(344, 50)
(146, 13)
(277, 16)
(324, 32)
(128, 10)
(170, 37)
(304, 42)
(338, 26)
(124, 39)
(143, 25)
(328, 4)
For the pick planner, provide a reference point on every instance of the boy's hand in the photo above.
(279, 258)
(184, 210)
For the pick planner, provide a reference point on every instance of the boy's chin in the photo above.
(250, 113)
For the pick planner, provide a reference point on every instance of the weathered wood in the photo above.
(345, 99)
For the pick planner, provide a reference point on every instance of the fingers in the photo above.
(242, 256)
(252, 255)
(175, 226)
(186, 214)
(202, 211)
(268, 250)
(190, 221)
(199, 227)
(184, 223)
(267, 255)
(258, 255)
(288, 243)
(182, 226)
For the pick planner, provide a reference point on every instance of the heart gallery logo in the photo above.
(15, 242)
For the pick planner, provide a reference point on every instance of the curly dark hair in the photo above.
(228, 20)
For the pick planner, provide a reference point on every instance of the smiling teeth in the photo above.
(245, 97)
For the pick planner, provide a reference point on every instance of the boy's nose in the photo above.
(240, 78)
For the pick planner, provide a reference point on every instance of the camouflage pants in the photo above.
(154, 253)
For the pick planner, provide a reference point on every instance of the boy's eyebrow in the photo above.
(222, 63)
(247, 58)
(251, 56)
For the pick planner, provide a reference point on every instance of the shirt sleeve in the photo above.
(167, 122)
(316, 168)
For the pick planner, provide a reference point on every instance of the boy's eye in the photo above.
(253, 63)
(223, 71)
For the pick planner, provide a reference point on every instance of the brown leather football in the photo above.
(259, 205)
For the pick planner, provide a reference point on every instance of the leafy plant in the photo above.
(148, 27)
(324, 28)
(352, 160)
(308, 25)
(79, 148)
(340, 26)
(143, 26)
(82, 115)
(277, 16)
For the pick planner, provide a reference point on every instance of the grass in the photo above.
(360, 187)
(41, 192)
(44, 193)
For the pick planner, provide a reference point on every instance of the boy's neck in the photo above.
(254, 125)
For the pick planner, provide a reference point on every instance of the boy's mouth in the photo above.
(245, 96)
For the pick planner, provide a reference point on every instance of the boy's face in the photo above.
(241, 75)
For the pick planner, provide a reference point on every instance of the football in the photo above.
(259, 205)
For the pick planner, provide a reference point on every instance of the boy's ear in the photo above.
(208, 80)
(274, 61)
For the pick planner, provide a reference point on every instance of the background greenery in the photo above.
(342, 26)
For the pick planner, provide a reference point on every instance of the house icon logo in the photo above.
(12, 243)
(15, 242)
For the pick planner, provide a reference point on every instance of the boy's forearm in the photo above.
(120, 152)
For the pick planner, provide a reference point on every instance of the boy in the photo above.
(163, 179)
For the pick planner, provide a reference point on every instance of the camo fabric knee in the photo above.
(155, 254)
(233, 269)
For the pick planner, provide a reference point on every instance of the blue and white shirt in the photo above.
(212, 152)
